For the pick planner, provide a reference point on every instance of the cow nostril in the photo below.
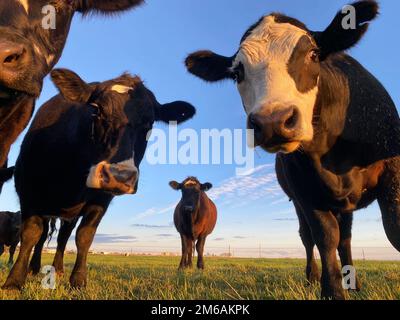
(291, 122)
(254, 124)
(12, 57)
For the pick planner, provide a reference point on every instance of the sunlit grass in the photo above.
(135, 278)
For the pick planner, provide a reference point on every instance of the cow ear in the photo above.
(106, 6)
(210, 66)
(206, 186)
(178, 111)
(71, 86)
(347, 28)
(175, 185)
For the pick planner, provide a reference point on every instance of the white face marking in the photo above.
(25, 4)
(50, 59)
(268, 87)
(121, 89)
(190, 183)
(94, 179)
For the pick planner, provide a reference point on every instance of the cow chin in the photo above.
(284, 148)
(104, 176)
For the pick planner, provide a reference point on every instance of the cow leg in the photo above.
(32, 229)
(84, 239)
(13, 247)
(312, 272)
(190, 244)
(64, 234)
(326, 234)
(345, 224)
(200, 251)
(36, 261)
(389, 201)
(183, 263)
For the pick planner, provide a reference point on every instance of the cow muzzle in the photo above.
(276, 132)
(118, 179)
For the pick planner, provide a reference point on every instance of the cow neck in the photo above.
(329, 120)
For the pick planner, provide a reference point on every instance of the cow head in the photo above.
(121, 114)
(191, 189)
(31, 44)
(277, 72)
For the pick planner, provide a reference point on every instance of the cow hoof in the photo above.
(12, 285)
(60, 273)
(78, 280)
(313, 278)
(337, 295)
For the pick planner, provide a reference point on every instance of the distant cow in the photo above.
(334, 125)
(29, 49)
(84, 147)
(10, 227)
(195, 218)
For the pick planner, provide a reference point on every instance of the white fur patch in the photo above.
(25, 4)
(94, 180)
(121, 89)
(190, 183)
(50, 59)
(268, 86)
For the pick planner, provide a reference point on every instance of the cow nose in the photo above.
(188, 208)
(255, 123)
(281, 124)
(11, 55)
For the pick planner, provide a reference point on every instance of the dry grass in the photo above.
(136, 278)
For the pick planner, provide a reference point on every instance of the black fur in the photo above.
(20, 88)
(210, 66)
(65, 140)
(335, 38)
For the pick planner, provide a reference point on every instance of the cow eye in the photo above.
(238, 73)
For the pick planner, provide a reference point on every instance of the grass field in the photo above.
(135, 278)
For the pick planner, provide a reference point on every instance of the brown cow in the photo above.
(10, 226)
(195, 218)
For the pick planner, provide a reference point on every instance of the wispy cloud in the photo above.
(219, 239)
(103, 238)
(151, 226)
(165, 235)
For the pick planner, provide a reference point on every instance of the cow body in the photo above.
(10, 227)
(29, 49)
(84, 148)
(195, 218)
(334, 126)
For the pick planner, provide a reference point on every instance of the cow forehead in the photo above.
(190, 183)
(270, 40)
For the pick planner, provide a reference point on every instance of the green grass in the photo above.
(135, 278)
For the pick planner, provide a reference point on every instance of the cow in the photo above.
(84, 147)
(334, 127)
(30, 46)
(10, 227)
(195, 218)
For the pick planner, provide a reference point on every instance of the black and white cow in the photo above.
(83, 148)
(334, 126)
(29, 49)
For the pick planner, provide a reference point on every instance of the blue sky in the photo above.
(153, 42)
